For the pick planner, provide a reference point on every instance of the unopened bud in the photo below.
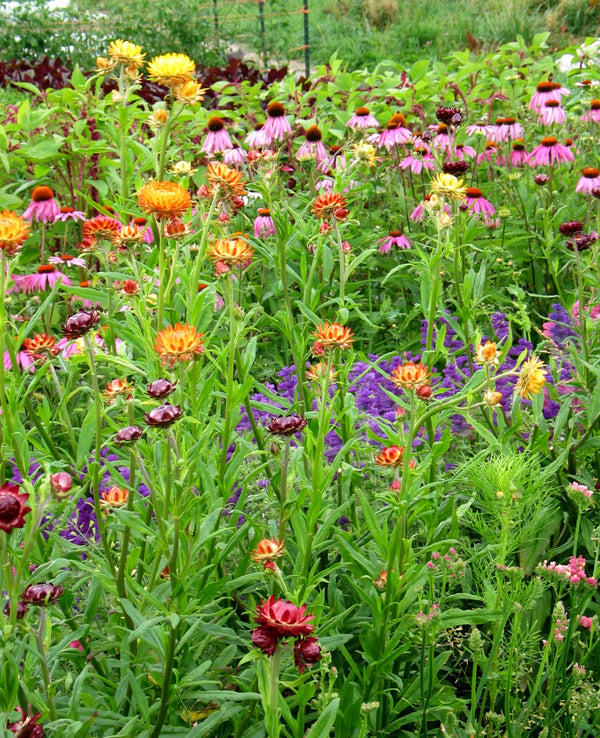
(61, 483)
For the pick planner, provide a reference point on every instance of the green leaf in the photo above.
(326, 720)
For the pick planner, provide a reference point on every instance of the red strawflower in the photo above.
(266, 639)
(307, 651)
(284, 618)
(42, 594)
(12, 507)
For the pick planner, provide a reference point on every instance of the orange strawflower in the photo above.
(330, 204)
(381, 581)
(411, 376)
(268, 549)
(229, 181)
(178, 343)
(317, 371)
(230, 251)
(487, 354)
(101, 226)
(13, 232)
(129, 235)
(41, 346)
(390, 456)
(164, 199)
(118, 387)
(333, 335)
(114, 497)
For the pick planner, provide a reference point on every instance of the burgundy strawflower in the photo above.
(571, 227)
(307, 651)
(42, 594)
(541, 179)
(80, 323)
(449, 115)
(27, 726)
(266, 639)
(22, 609)
(161, 388)
(284, 618)
(582, 241)
(163, 416)
(287, 425)
(13, 507)
(455, 167)
(129, 434)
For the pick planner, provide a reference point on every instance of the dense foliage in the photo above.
(299, 402)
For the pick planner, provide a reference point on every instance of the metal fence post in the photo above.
(306, 40)
(261, 17)
(216, 15)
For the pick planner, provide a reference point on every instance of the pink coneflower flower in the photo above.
(418, 160)
(362, 118)
(336, 160)
(217, 138)
(43, 206)
(506, 129)
(441, 141)
(592, 311)
(419, 212)
(480, 129)
(264, 226)
(325, 184)
(593, 114)
(234, 157)
(491, 152)
(276, 126)
(73, 347)
(552, 114)
(67, 260)
(255, 139)
(550, 152)
(395, 238)
(395, 133)
(477, 203)
(588, 181)
(546, 91)
(313, 147)
(66, 213)
(24, 360)
(518, 155)
(46, 276)
(462, 152)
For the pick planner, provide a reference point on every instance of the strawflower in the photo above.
(531, 378)
(447, 185)
(230, 252)
(390, 456)
(164, 199)
(307, 651)
(268, 549)
(178, 343)
(80, 323)
(113, 497)
(229, 181)
(287, 425)
(411, 376)
(13, 507)
(283, 618)
(41, 594)
(124, 52)
(171, 70)
(329, 204)
(163, 416)
(333, 335)
(13, 232)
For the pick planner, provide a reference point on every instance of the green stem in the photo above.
(229, 387)
(166, 683)
(39, 639)
(272, 720)
(283, 491)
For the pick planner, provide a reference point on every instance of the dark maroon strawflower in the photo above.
(80, 323)
(595, 192)
(570, 228)
(455, 167)
(12, 507)
(22, 608)
(287, 425)
(161, 388)
(42, 594)
(163, 416)
(541, 179)
(582, 241)
(27, 726)
(266, 639)
(307, 651)
(449, 115)
(61, 484)
(129, 434)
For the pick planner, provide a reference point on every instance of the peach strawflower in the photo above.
(13, 232)
(390, 456)
(411, 376)
(317, 371)
(114, 497)
(268, 549)
(178, 343)
(229, 181)
(171, 69)
(531, 378)
(164, 199)
(230, 251)
(129, 235)
(333, 335)
(118, 387)
(487, 354)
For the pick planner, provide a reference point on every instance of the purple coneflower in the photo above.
(550, 152)
(255, 139)
(441, 141)
(462, 152)
(362, 118)
(24, 360)
(234, 157)
(67, 260)
(43, 206)
(313, 147)
(395, 238)
(552, 114)
(518, 155)
(66, 213)
(477, 203)
(546, 91)
(418, 160)
(395, 133)
(264, 225)
(217, 139)
(588, 181)
(506, 129)
(593, 114)
(45, 276)
(480, 129)
(336, 160)
(276, 126)
(491, 151)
